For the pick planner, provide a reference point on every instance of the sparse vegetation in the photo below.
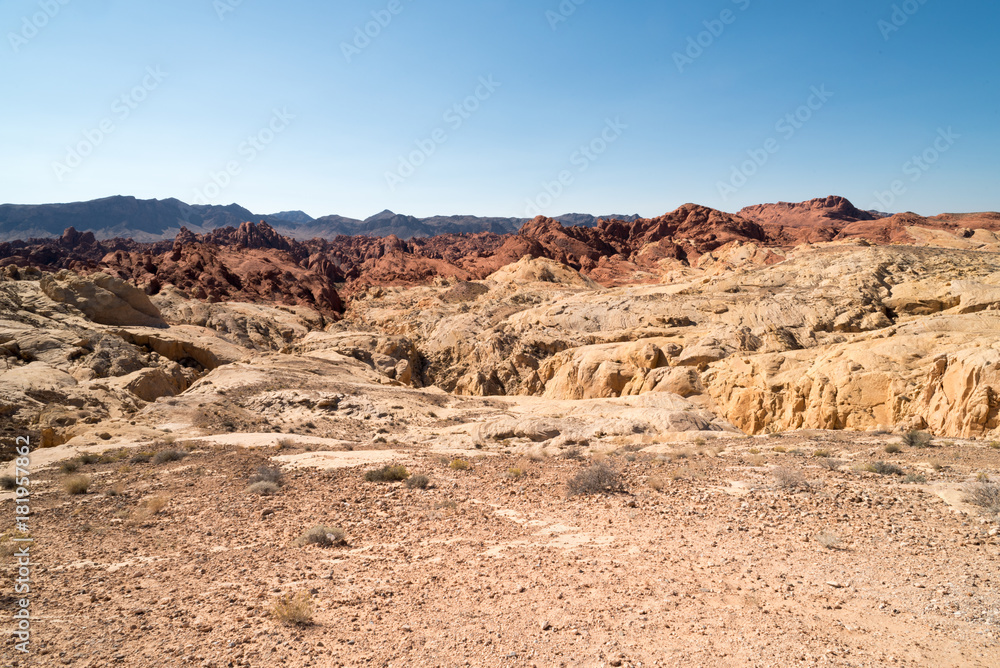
(830, 541)
(831, 464)
(141, 458)
(893, 448)
(780, 448)
(154, 504)
(387, 474)
(821, 453)
(263, 488)
(597, 479)
(657, 482)
(515, 473)
(986, 495)
(916, 439)
(8, 482)
(914, 479)
(89, 458)
(754, 451)
(69, 466)
(572, 453)
(164, 456)
(294, 609)
(936, 465)
(267, 474)
(883, 468)
(77, 484)
(995, 445)
(788, 478)
(285, 444)
(458, 465)
(323, 536)
(418, 481)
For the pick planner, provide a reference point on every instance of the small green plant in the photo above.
(995, 445)
(69, 466)
(982, 476)
(263, 488)
(76, 484)
(597, 479)
(916, 439)
(458, 465)
(418, 481)
(164, 456)
(883, 468)
(387, 474)
(754, 451)
(893, 448)
(323, 536)
(8, 482)
(914, 479)
(294, 609)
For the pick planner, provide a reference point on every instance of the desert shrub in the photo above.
(597, 479)
(831, 463)
(515, 473)
(164, 456)
(285, 444)
(656, 482)
(294, 609)
(115, 490)
(418, 481)
(986, 495)
(936, 464)
(893, 448)
(458, 465)
(916, 439)
(821, 453)
(995, 445)
(572, 453)
(830, 541)
(780, 448)
(884, 468)
(754, 451)
(267, 474)
(789, 478)
(141, 458)
(387, 474)
(69, 466)
(323, 536)
(263, 487)
(8, 482)
(77, 484)
(89, 458)
(155, 504)
(914, 479)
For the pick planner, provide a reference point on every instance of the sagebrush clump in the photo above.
(164, 456)
(77, 484)
(294, 609)
(916, 439)
(387, 474)
(323, 536)
(597, 479)
(418, 481)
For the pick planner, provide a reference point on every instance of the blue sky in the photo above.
(598, 107)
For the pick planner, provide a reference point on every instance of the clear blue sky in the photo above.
(226, 66)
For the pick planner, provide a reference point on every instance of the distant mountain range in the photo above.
(157, 220)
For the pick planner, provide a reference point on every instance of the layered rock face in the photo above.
(808, 316)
